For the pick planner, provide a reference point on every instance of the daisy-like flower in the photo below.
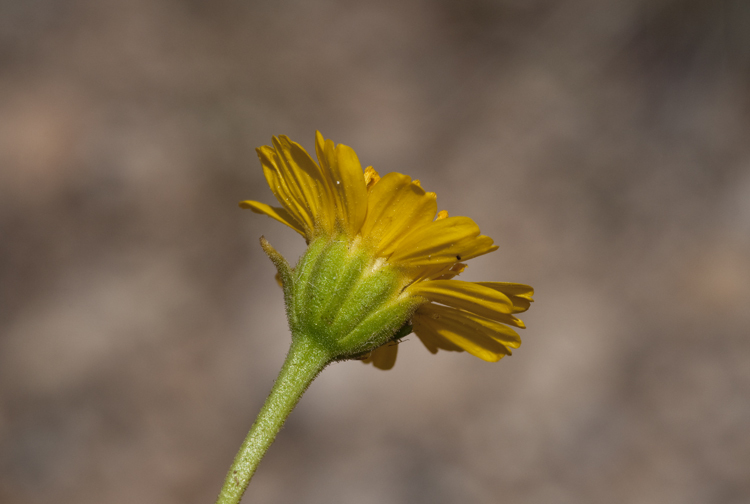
(381, 261)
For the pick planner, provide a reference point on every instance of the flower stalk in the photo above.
(303, 363)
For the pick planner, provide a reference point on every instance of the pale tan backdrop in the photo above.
(602, 143)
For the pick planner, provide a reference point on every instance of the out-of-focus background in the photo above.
(604, 144)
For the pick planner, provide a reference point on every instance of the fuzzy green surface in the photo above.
(303, 363)
(345, 300)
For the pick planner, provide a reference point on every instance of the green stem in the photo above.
(303, 363)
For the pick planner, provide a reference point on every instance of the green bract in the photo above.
(343, 299)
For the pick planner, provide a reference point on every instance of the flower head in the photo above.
(381, 261)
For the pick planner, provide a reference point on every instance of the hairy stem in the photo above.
(303, 363)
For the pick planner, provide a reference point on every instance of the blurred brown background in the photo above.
(602, 143)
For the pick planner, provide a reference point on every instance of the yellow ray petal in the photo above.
(277, 213)
(443, 241)
(511, 289)
(289, 196)
(395, 207)
(451, 272)
(468, 296)
(475, 323)
(511, 320)
(320, 148)
(298, 180)
(348, 182)
(371, 177)
(384, 357)
(314, 185)
(438, 272)
(520, 294)
(461, 334)
(470, 248)
(520, 304)
(430, 338)
(447, 273)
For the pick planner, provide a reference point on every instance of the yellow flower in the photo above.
(395, 224)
